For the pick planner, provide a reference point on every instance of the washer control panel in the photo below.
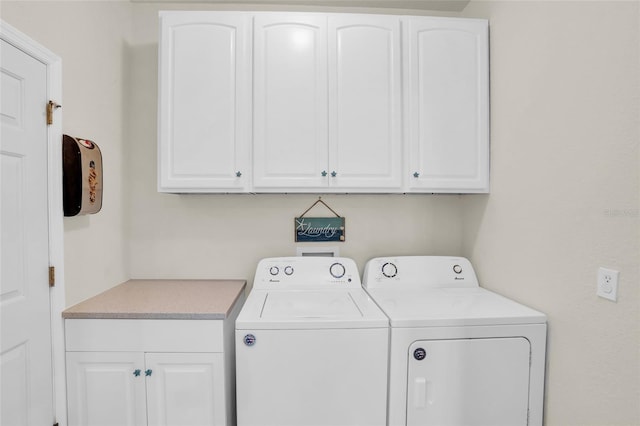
(306, 272)
(419, 272)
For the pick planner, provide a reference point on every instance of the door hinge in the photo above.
(51, 106)
(52, 276)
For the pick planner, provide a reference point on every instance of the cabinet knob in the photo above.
(136, 373)
(333, 174)
(147, 372)
(238, 174)
(416, 174)
(323, 173)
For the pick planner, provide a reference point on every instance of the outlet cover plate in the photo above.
(608, 284)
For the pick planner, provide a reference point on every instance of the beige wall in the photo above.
(564, 197)
(109, 53)
(225, 235)
(90, 38)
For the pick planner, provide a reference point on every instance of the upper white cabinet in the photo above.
(365, 121)
(327, 103)
(204, 125)
(315, 102)
(290, 101)
(447, 87)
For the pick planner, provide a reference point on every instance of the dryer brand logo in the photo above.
(420, 354)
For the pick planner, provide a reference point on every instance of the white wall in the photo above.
(564, 197)
(565, 93)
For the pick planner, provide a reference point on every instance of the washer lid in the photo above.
(310, 304)
(452, 307)
(289, 309)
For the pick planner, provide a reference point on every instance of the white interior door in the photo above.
(25, 344)
(468, 382)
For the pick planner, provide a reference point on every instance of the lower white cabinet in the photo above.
(134, 388)
(149, 372)
(103, 390)
(185, 389)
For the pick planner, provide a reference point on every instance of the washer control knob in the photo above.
(288, 270)
(457, 269)
(337, 270)
(389, 270)
(420, 354)
(274, 270)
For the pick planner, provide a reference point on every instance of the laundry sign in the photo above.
(319, 229)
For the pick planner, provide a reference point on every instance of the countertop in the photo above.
(162, 299)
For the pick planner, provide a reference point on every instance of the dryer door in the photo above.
(468, 382)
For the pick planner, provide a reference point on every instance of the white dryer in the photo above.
(460, 355)
(311, 347)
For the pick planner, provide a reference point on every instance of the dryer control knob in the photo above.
(337, 270)
(457, 269)
(274, 270)
(389, 270)
(420, 354)
(288, 270)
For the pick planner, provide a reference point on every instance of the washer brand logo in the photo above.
(249, 340)
(459, 278)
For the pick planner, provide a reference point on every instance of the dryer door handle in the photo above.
(421, 391)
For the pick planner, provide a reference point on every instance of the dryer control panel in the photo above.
(419, 272)
(306, 273)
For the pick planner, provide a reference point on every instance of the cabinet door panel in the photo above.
(364, 101)
(103, 390)
(204, 102)
(290, 117)
(448, 104)
(186, 389)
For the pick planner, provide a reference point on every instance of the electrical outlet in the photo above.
(608, 284)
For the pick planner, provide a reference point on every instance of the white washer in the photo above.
(311, 347)
(460, 355)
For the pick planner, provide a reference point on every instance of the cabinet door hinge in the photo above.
(52, 276)
(51, 106)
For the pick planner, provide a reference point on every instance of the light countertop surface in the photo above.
(162, 299)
